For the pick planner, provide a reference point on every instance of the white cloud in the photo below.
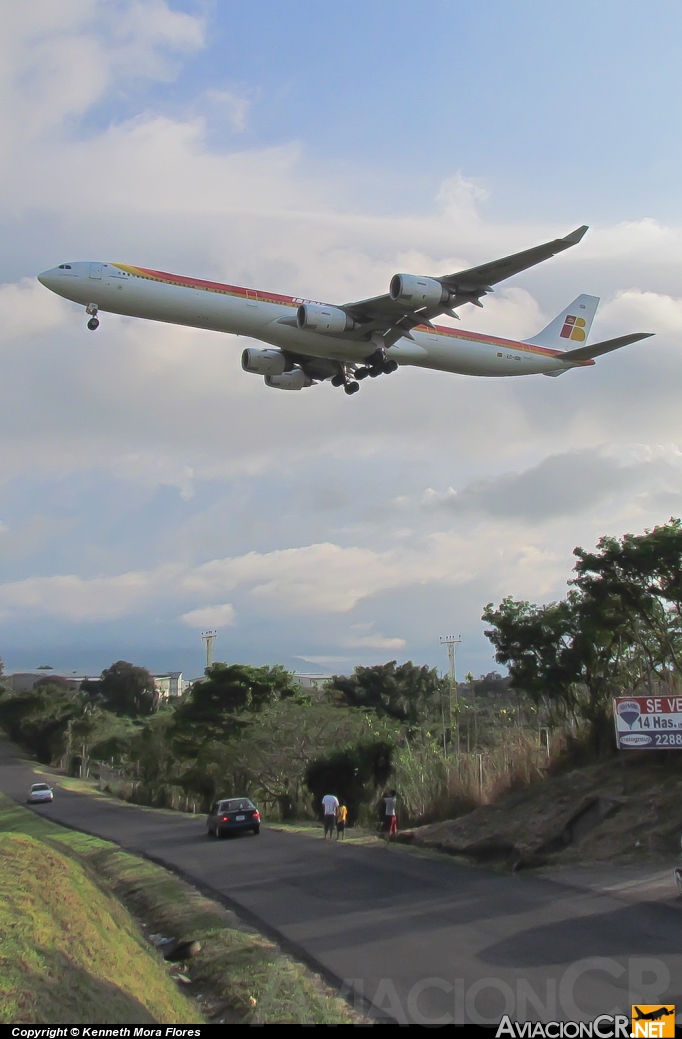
(644, 311)
(27, 310)
(222, 616)
(376, 641)
(325, 660)
(78, 599)
(231, 106)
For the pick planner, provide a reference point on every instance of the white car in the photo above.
(40, 792)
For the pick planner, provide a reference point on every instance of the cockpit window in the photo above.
(64, 266)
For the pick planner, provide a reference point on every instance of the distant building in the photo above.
(24, 681)
(169, 685)
(311, 681)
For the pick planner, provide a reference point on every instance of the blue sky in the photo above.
(146, 481)
(557, 108)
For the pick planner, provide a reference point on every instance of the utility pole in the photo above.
(469, 679)
(209, 638)
(450, 641)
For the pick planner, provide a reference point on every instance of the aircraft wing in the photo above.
(394, 318)
(474, 281)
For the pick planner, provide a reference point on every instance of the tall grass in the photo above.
(434, 785)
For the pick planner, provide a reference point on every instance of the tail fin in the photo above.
(571, 327)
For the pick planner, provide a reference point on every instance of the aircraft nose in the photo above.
(48, 278)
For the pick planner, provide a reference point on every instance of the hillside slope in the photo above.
(604, 812)
(71, 951)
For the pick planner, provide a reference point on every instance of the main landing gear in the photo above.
(92, 309)
(384, 368)
(349, 385)
(377, 364)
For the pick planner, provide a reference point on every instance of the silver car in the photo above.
(40, 792)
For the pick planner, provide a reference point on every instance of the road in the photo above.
(424, 940)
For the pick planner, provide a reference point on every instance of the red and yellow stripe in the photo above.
(259, 296)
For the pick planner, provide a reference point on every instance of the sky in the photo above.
(149, 488)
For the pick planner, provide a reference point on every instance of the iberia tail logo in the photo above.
(574, 328)
(653, 1022)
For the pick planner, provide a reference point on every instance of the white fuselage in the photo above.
(157, 296)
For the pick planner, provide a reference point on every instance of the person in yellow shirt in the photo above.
(341, 816)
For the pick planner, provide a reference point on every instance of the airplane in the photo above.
(309, 341)
(653, 1015)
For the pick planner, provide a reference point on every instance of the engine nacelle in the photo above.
(317, 318)
(263, 362)
(419, 292)
(294, 380)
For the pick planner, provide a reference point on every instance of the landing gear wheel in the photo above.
(373, 372)
(338, 380)
(351, 387)
(93, 323)
(390, 366)
(361, 373)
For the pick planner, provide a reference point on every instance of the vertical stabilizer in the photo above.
(571, 328)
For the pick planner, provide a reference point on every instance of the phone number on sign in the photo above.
(667, 739)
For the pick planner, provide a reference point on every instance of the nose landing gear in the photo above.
(92, 309)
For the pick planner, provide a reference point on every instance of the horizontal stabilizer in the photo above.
(586, 353)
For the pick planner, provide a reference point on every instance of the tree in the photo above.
(50, 719)
(536, 644)
(126, 690)
(281, 741)
(638, 580)
(215, 713)
(353, 774)
(217, 707)
(36, 721)
(407, 692)
(620, 625)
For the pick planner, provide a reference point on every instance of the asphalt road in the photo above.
(426, 941)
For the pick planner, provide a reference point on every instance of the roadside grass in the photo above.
(238, 976)
(354, 834)
(92, 788)
(70, 951)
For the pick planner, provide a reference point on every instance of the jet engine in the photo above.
(319, 318)
(419, 292)
(263, 362)
(294, 380)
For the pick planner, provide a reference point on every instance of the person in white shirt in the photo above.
(330, 804)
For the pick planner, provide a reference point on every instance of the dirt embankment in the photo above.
(617, 812)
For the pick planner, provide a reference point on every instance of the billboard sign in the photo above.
(648, 722)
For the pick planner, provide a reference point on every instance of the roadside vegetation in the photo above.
(251, 730)
(74, 912)
(70, 951)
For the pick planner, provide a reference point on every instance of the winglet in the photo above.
(575, 236)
